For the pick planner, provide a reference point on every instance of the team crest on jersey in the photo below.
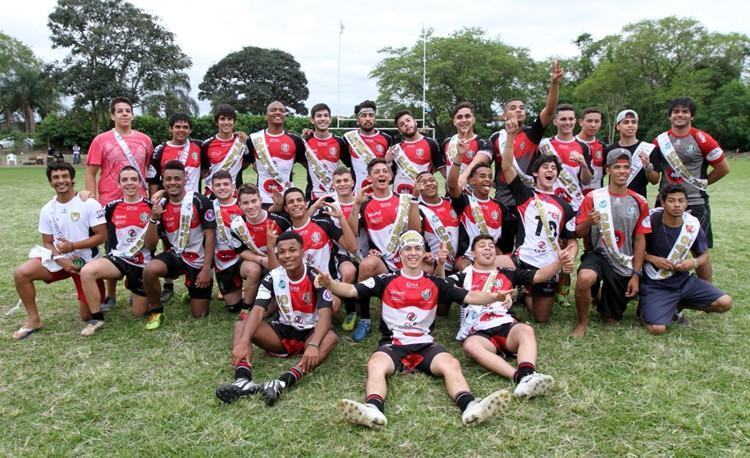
(379, 148)
(495, 215)
(631, 212)
(453, 213)
(306, 298)
(194, 155)
(332, 150)
(316, 237)
(143, 217)
(411, 316)
(75, 216)
(285, 147)
(690, 148)
(426, 293)
(210, 216)
(522, 146)
(419, 152)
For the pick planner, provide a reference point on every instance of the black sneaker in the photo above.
(271, 391)
(233, 391)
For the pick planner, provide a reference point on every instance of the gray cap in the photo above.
(616, 154)
(621, 115)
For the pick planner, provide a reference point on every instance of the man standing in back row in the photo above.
(366, 143)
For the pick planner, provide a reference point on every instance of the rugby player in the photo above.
(366, 143)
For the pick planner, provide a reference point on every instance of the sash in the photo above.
(674, 161)
(402, 216)
(129, 156)
(264, 156)
(566, 181)
(185, 151)
(58, 232)
(688, 234)
(439, 228)
(317, 169)
(234, 153)
(476, 211)
(240, 229)
(221, 229)
(359, 146)
(470, 314)
(603, 205)
(282, 295)
(452, 148)
(186, 217)
(551, 238)
(528, 180)
(636, 164)
(404, 163)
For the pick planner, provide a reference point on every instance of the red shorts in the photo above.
(63, 274)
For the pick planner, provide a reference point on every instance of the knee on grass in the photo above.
(656, 329)
(721, 305)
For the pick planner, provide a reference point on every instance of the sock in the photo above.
(243, 370)
(244, 305)
(463, 399)
(98, 316)
(349, 305)
(364, 309)
(522, 371)
(376, 400)
(291, 377)
(157, 309)
(235, 307)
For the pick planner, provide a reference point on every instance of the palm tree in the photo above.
(172, 97)
(30, 91)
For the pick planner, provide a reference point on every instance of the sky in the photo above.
(209, 30)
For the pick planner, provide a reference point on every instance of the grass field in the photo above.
(128, 392)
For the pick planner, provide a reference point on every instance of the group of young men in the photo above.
(380, 226)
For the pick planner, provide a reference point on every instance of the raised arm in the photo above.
(548, 112)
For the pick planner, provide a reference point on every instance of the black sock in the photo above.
(364, 308)
(463, 399)
(158, 309)
(98, 316)
(291, 377)
(245, 306)
(242, 370)
(522, 371)
(349, 305)
(234, 308)
(376, 400)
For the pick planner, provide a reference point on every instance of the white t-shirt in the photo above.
(73, 221)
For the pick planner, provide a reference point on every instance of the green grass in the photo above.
(128, 392)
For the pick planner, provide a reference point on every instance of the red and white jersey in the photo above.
(493, 220)
(409, 305)
(596, 152)
(73, 221)
(304, 299)
(195, 161)
(564, 150)
(284, 149)
(125, 222)
(477, 146)
(346, 210)
(203, 218)
(225, 251)
(258, 230)
(378, 143)
(378, 217)
(328, 152)
(448, 219)
(318, 235)
(215, 150)
(421, 155)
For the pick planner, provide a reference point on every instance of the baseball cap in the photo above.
(617, 154)
(410, 238)
(621, 115)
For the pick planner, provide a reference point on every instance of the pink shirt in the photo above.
(107, 154)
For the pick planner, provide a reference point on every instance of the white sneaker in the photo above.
(533, 385)
(92, 327)
(480, 410)
(362, 414)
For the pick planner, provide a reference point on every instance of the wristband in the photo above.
(638, 274)
(153, 221)
(310, 344)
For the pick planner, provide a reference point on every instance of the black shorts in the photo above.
(133, 275)
(499, 338)
(341, 258)
(508, 236)
(546, 289)
(229, 279)
(176, 267)
(410, 358)
(292, 339)
(613, 301)
(703, 213)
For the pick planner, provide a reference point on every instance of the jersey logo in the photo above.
(495, 215)
(426, 294)
(194, 156)
(522, 146)
(332, 151)
(75, 216)
(327, 296)
(411, 316)
(210, 215)
(315, 237)
(143, 217)
(690, 148)
(419, 152)
(285, 147)
(306, 298)
(379, 148)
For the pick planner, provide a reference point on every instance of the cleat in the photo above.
(362, 331)
(155, 321)
(533, 385)
(108, 304)
(362, 414)
(482, 409)
(349, 322)
(91, 327)
(239, 388)
(271, 391)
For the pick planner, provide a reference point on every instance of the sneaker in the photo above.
(534, 384)
(271, 390)
(239, 388)
(480, 410)
(680, 318)
(91, 327)
(108, 304)
(362, 414)
(349, 322)
(362, 331)
(166, 295)
(155, 321)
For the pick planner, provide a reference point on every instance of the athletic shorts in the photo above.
(176, 267)
(63, 274)
(703, 213)
(546, 289)
(613, 301)
(341, 258)
(499, 337)
(292, 339)
(510, 223)
(410, 358)
(229, 279)
(133, 275)
(658, 304)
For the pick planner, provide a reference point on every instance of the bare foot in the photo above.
(579, 330)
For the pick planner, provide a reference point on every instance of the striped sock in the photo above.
(463, 399)
(523, 370)
(291, 377)
(243, 370)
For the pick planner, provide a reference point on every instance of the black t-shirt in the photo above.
(640, 181)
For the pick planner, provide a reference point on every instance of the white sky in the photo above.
(209, 30)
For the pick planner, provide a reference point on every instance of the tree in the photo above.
(13, 54)
(251, 78)
(465, 66)
(29, 90)
(114, 49)
(172, 97)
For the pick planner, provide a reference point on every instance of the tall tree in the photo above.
(114, 49)
(251, 78)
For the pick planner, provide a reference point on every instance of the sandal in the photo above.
(24, 332)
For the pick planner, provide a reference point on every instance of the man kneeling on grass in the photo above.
(410, 299)
(668, 285)
(303, 327)
(490, 334)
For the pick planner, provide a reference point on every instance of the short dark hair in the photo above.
(117, 100)
(319, 107)
(401, 113)
(60, 165)
(174, 165)
(374, 162)
(424, 172)
(365, 104)
(126, 169)
(590, 110)
(291, 190)
(543, 159)
(248, 188)
(222, 175)
(342, 171)
(481, 237)
(672, 188)
(289, 235)
(686, 102)
(180, 117)
(564, 107)
(512, 99)
(226, 110)
(460, 106)
(479, 166)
